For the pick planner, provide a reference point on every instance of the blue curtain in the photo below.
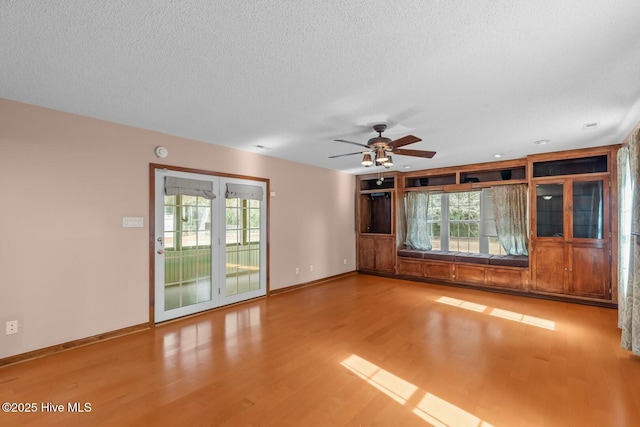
(510, 214)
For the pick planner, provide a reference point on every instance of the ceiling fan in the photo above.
(381, 148)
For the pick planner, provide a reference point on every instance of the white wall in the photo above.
(68, 270)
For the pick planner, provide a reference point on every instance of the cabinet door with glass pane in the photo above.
(572, 222)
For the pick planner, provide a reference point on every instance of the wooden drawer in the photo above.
(472, 274)
(408, 267)
(511, 278)
(438, 270)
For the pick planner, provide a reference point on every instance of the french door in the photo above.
(209, 242)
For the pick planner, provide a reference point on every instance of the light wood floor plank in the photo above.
(359, 350)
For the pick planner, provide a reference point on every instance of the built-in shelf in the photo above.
(375, 212)
(377, 183)
(507, 174)
(450, 181)
(591, 164)
(430, 181)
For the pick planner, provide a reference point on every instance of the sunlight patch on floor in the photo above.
(498, 312)
(441, 413)
(431, 408)
(519, 317)
(391, 385)
(467, 305)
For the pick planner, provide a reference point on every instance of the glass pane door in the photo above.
(242, 246)
(550, 210)
(207, 252)
(186, 265)
(244, 243)
(187, 241)
(587, 209)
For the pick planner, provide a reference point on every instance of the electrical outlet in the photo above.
(344, 261)
(311, 267)
(12, 327)
(297, 270)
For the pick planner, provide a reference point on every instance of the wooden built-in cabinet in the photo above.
(377, 253)
(572, 217)
(491, 276)
(465, 178)
(472, 274)
(571, 234)
(376, 223)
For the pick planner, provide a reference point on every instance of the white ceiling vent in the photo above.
(591, 125)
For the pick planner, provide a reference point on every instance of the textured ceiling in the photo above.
(471, 78)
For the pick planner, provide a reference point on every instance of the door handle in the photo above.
(160, 251)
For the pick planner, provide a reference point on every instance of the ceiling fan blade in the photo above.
(351, 142)
(342, 155)
(406, 140)
(415, 153)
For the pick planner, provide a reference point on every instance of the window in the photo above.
(242, 221)
(187, 222)
(462, 222)
(244, 251)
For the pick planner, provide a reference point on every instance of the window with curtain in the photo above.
(510, 215)
(462, 222)
(416, 212)
(629, 286)
(463, 217)
(624, 204)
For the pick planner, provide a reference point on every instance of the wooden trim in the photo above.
(570, 154)
(489, 184)
(386, 174)
(205, 172)
(573, 177)
(430, 189)
(268, 236)
(526, 294)
(455, 188)
(312, 283)
(152, 215)
(73, 344)
(152, 246)
(476, 167)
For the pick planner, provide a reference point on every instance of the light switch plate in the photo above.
(132, 222)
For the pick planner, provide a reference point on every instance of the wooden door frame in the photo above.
(152, 223)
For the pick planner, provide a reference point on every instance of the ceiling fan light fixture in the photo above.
(378, 150)
(381, 156)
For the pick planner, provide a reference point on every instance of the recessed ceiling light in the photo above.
(591, 125)
(407, 166)
(498, 155)
(542, 141)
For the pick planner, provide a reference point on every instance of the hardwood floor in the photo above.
(360, 350)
